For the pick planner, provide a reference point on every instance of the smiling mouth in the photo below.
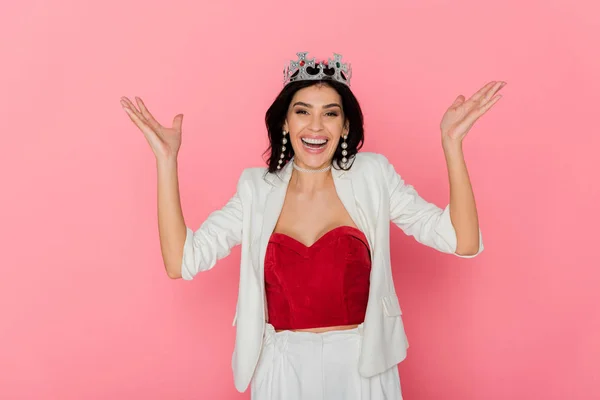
(314, 143)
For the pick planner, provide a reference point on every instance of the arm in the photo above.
(427, 223)
(463, 212)
(455, 231)
(171, 225)
(214, 239)
(186, 252)
(457, 121)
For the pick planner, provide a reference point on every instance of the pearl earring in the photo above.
(284, 141)
(344, 151)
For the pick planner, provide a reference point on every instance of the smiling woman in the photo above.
(317, 315)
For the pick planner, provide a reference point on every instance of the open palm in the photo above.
(165, 142)
(461, 115)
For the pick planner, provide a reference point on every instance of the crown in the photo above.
(304, 69)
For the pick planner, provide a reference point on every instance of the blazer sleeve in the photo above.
(427, 223)
(216, 236)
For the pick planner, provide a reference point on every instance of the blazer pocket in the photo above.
(391, 306)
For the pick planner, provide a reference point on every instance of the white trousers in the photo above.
(318, 366)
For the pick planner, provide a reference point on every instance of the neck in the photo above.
(309, 180)
(310, 170)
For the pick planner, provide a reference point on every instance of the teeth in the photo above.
(314, 141)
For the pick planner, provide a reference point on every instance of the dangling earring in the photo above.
(344, 151)
(284, 141)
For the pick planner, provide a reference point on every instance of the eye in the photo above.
(332, 114)
(301, 112)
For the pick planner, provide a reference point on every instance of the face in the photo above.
(315, 122)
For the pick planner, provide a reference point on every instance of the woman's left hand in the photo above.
(461, 115)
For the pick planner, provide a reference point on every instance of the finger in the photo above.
(481, 92)
(137, 119)
(486, 98)
(177, 122)
(458, 101)
(489, 104)
(151, 120)
(126, 103)
(150, 135)
(474, 115)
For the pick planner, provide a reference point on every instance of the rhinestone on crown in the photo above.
(298, 69)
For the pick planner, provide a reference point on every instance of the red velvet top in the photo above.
(326, 284)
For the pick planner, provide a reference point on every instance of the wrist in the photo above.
(452, 148)
(166, 162)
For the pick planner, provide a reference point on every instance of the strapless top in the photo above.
(325, 284)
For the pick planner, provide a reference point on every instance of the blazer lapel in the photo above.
(272, 209)
(345, 191)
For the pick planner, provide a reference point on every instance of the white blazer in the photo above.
(373, 194)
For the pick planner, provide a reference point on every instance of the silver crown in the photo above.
(336, 70)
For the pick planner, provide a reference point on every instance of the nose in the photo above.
(316, 124)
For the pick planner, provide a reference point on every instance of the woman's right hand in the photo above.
(165, 142)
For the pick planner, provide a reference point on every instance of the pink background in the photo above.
(87, 311)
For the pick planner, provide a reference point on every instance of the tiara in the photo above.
(303, 69)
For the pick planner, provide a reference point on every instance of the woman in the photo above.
(317, 315)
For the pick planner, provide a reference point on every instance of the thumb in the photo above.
(459, 100)
(177, 121)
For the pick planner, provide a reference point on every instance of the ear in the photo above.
(285, 126)
(346, 127)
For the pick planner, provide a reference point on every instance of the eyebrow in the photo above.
(300, 103)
